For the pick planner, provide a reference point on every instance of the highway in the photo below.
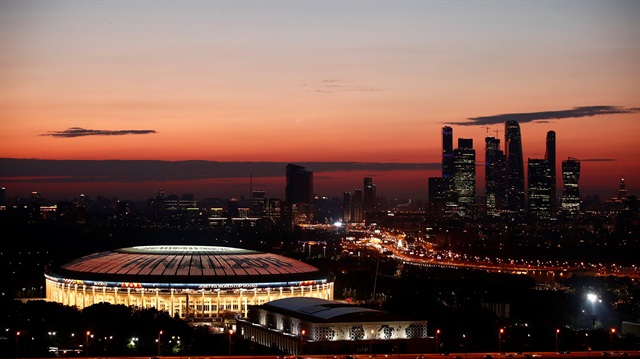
(533, 355)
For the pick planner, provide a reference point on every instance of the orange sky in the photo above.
(318, 81)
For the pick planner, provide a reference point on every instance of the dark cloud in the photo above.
(586, 111)
(79, 132)
(70, 171)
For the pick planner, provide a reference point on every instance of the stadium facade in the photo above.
(200, 283)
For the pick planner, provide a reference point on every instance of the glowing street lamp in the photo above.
(230, 334)
(437, 333)
(17, 342)
(611, 333)
(557, 332)
(87, 343)
(301, 343)
(500, 340)
(464, 338)
(371, 342)
(159, 334)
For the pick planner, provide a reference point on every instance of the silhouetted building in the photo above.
(438, 190)
(299, 195)
(448, 168)
(571, 193)
(369, 195)
(258, 203)
(515, 167)
(464, 180)
(495, 176)
(347, 207)
(357, 213)
(539, 188)
(550, 155)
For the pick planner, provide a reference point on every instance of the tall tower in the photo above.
(448, 168)
(495, 176)
(539, 185)
(347, 207)
(550, 156)
(515, 166)
(622, 190)
(369, 195)
(299, 194)
(571, 193)
(464, 180)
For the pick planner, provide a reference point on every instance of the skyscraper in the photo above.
(369, 195)
(495, 176)
(298, 195)
(464, 180)
(571, 193)
(448, 168)
(539, 188)
(515, 167)
(347, 207)
(550, 156)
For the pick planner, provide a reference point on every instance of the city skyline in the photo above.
(362, 87)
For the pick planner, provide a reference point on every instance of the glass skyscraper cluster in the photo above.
(505, 192)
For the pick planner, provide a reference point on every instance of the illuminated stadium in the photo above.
(200, 283)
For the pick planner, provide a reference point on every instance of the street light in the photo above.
(500, 340)
(557, 332)
(437, 332)
(611, 333)
(87, 343)
(17, 343)
(159, 334)
(464, 338)
(230, 334)
(371, 342)
(301, 335)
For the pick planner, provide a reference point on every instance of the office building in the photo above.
(495, 176)
(515, 167)
(298, 195)
(448, 168)
(539, 188)
(464, 180)
(550, 156)
(369, 195)
(571, 193)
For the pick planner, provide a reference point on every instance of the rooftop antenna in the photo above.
(487, 128)
(497, 133)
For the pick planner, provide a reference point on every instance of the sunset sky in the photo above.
(308, 82)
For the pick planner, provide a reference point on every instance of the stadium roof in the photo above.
(189, 264)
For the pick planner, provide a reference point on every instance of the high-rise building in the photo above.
(464, 180)
(550, 156)
(369, 195)
(571, 193)
(515, 167)
(539, 188)
(347, 207)
(448, 168)
(495, 176)
(298, 195)
(439, 188)
(357, 214)
(622, 190)
(258, 202)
